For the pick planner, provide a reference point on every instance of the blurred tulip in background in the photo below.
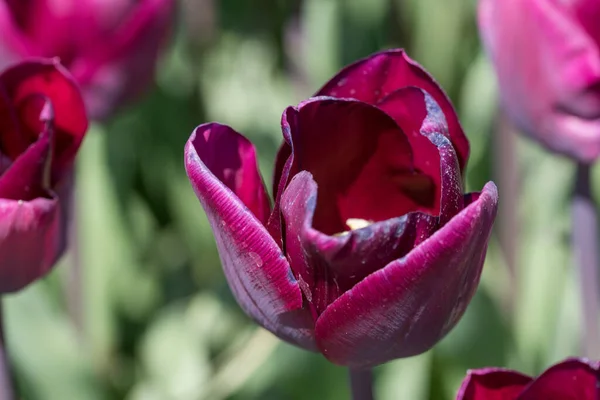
(546, 54)
(371, 251)
(42, 124)
(110, 47)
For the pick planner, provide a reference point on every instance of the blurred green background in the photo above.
(153, 317)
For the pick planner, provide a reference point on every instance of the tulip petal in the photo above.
(25, 84)
(283, 165)
(360, 159)
(423, 121)
(492, 384)
(588, 13)
(298, 204)
(559, 106)
(30, 241)
(221, 166)
(28, 176)
(406, 307)
(571, 379)
(373, 78)
(283, 154)
(231, 158)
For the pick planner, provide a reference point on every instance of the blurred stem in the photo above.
(361, 384)
(75, 273)
(585, 247)
(6, 391)
(507, 173)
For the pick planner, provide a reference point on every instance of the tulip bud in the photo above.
(546, 55)
(371, 251)
(110, 46)
(42, 123)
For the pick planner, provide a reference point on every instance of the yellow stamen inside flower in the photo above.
(354, 224)
(357, 223)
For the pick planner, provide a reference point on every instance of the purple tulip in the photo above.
(547, 57)
(576, 379)
(371, 251)
(110, 46)
(42, 123)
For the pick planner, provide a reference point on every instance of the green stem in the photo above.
(361, 384)
(585, 247)
(6, 390)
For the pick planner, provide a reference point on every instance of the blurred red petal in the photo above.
(492, 384)
(30, 241)
(48, 78)
(573, 379)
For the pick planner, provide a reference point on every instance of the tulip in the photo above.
(42, 123)
(577, 379)
(110, 46)
(371, 250)
(546, 54)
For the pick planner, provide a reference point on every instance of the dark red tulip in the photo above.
(546, 54)
(572, 379)
(110, 46)
(371, 251)
(42, 123)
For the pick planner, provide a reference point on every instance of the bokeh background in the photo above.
(139, 308)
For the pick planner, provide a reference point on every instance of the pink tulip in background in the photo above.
(42, 124)
(371, 251)
(547, 57)
(572, 379)
(110, 46)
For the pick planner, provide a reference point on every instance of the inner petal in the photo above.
(361, 161)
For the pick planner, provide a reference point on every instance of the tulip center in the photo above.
(372, 182)
(362, 162)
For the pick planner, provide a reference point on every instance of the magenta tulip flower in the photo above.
(572, 379)
(547, 58)
(42, 123)
(110, 46)
(371, 250)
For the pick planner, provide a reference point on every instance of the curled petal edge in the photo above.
(257, 271)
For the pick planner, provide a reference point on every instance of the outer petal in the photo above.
(573, 379)
(492, 384)
(559, 106)
(26, 83)
(30, 241)
(120, 68)
(405, 308)
(380, 74)
(256, 269)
